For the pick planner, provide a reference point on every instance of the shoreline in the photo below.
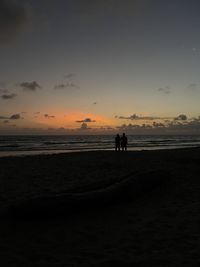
(56, 152)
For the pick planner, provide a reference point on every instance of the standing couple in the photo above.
(121, 142)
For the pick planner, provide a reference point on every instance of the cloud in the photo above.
(179, 125)
(174, 125)
(131, 117)
(49, 116)
(8, 96)
(60, 86)
(84, 127)
(70, 75)
(86, 120)
(6, 121)
(36, 114)
(158, 124)
(133, 127)
(66, 85)
(3, 118)
(196, 119)
(192, 87)
(136, 117)
(96, 8)
(108, 128)
(165, 90)
(69, 84)
(181, 117)
(14, 16)
(15, 117)
(3, 91)
(2, 84)
(191, 125)
(61, 129)
(30, 86)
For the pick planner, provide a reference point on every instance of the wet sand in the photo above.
(156, 225)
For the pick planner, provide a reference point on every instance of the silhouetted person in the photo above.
(124, 141)
(117, 142)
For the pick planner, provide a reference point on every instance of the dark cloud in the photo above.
(165, 90)
(66, 85)
(6, 121)
(181, 117)
(30, 86)
(49, 116)
(13, 17)
(8, 96)
(86, 120)
(15, 117)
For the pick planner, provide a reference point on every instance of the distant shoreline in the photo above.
(56, 152)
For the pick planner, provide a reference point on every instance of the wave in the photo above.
(81, 143)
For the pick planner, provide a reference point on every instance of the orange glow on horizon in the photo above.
(69, 119)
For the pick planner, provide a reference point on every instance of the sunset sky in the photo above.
(99, 66)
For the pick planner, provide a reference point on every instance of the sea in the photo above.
(21, 145)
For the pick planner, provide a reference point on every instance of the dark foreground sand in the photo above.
(157, 225)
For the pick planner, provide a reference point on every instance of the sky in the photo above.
(99, 66)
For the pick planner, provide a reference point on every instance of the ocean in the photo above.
(29, 145)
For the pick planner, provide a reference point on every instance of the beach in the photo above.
(107, 219)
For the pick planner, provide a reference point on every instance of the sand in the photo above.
(156, 225)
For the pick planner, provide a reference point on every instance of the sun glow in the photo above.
(72, 119)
